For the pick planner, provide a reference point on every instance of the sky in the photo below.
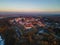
(29, 5)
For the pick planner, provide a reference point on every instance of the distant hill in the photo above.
(27, 14)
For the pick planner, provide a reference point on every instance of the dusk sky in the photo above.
(29, 5)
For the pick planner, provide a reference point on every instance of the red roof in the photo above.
(28, 25)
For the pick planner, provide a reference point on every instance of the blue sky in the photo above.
(30, 5)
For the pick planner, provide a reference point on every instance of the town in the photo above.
(29, 30)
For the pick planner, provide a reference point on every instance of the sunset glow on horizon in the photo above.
(29, 5)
